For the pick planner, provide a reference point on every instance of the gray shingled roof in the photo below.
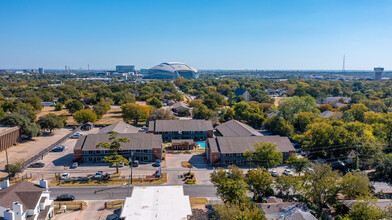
(241, 144)
(139, 141)
(287, 210)
(119, 127)
(234, 128)
(180, 105)
(26, 193)
(180, 125)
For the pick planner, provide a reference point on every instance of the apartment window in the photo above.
(90, 159)
(99, 159)
(145, 151)
(145, 158)
(90, 152)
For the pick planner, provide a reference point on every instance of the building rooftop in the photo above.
(157, 202)
(26, 193)
(180, 125)
(240, 144)
(235, 128)
(119, 127)
(287, 210)
(138, 141)
(173, 67)
(180, 105)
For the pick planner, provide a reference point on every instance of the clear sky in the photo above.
(206, 34)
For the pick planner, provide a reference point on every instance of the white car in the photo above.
(64, 176)
(288, 172)
(76, 135)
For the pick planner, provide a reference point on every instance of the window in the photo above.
(145, 151)
(90, 152)
(99, 159)
(90, 159)
(145, 158)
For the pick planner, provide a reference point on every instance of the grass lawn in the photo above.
(198, 203)
(115, 180)
(111, 117)
(46, 110)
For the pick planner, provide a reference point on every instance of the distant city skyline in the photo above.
(221, 34)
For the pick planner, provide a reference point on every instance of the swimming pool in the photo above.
(202, 144)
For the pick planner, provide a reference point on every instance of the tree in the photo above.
(238, 211)
(260, 183)
(227, 115)
(265, 155)
(321, 185)
(154, 101)
(355, 184)
(383, 166)
(202, 112)
(298, 163)
(114, 145)
(120, 98)
(135, 112)
(303, 120)
(74, 105)
(15, 167)
(27, 127)
(364, 210)
(289, 108)
(358, 111)
(85, 115)
(59, 106)
(279, 125)
(161, 114)
(102, 107)
(285, 184)
(35, 102)
(50, 122)
(231, 186)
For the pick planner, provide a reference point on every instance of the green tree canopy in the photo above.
(135, 112)
(85, 115)
(260, 183)
(264, 155)
(28, 128)
(50, 122)
(74, 105)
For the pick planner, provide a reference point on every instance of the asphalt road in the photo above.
(120, 192)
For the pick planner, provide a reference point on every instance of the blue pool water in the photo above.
(202, 144)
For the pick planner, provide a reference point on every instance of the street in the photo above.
(120, 192)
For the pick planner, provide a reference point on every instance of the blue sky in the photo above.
(206, 34)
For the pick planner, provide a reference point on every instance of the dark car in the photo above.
(65, 197)
(59, 148)
(37, 165)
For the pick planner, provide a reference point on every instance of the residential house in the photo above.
(243, 93)
(198, 130)
(181, 109)
(230, 150)
(25, 200)
(235, 128)
(276, 209)
(142, 147)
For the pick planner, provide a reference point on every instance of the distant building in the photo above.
(230, 150)
(41, 70)
(181, 109)
(243, 93)
(235, 128)
(156, 202)
(25, 200)
(378, 73)
(125, 68)
(172, 70)
(9, 136)
(275, 208)
(197, 130)
(143, 147)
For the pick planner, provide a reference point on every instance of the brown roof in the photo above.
(180, 125)
(119, 127)
(241, 144)
(139, 141)
(27, 193)
(234, 128)
(8, 129)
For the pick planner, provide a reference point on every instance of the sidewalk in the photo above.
(29, 148)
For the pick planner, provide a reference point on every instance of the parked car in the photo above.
(59, 148)
(157, 163)
(288, 172)
(74, 165)
(135, 163)
(64, 176)
(273, 173)
(76, 135)
(37, 165)
(65, 197)
(98, 175)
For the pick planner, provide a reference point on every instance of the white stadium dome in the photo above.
(172, 70)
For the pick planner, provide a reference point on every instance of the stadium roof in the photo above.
(173, 67)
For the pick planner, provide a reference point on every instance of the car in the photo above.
(65, 197)
(74, 165)
(157, 163)
(135, 163)
(59, 148)
(98, 175)
(64, 176)
(76, 135)
(288, 172)
(37, 165)
(273, 173)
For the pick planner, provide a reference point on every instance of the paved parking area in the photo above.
(94, 211)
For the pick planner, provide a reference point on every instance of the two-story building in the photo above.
(25, 200)
(143, 147)
(197, 130)
(230, 150)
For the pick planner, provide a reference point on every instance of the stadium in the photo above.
(172, 70)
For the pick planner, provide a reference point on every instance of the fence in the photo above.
(70, 205)
(116, 204)
(47, 150)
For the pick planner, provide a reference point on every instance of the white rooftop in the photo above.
(158, 203)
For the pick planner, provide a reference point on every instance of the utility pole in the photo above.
(129, 177)
(8, 166)
(131, 166)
